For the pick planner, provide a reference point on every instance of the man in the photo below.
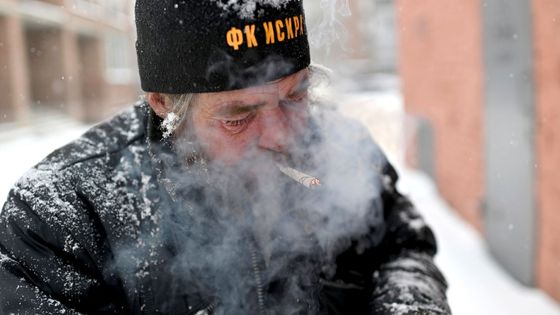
(228, 191)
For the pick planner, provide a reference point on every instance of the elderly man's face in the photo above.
(237, 125)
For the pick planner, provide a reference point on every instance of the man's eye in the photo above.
(297, 98)
(238, 124)
(235, 123)
(294, 100)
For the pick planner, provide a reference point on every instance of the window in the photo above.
(118, 68)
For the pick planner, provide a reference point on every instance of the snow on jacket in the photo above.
(69, 221)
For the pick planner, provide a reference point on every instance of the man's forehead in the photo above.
(281, 82)
(284, 82)
(252, 95)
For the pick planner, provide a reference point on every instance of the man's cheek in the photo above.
(210, 140)
(299, 121)
(226, 148)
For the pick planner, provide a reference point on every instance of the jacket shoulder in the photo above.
(108, 137)
(51, 189)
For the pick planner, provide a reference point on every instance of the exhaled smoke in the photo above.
(248, 238)
(330, 30)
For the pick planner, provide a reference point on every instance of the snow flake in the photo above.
(245, 9)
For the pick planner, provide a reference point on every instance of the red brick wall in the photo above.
(547, 78)
(441, 69)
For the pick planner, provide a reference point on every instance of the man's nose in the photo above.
(275, 131)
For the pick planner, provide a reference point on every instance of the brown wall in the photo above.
(90, 69)
(547, 78)
(441, 70)
(45, 56)
(6, 107)
(13, 71)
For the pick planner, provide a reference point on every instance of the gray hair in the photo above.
(180, 105)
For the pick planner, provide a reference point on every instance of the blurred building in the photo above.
(75, 56)
(353, 37)
(482, 79)
(357, 39)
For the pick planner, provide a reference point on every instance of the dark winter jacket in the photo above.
(70, 222)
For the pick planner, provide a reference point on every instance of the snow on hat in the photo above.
(195, 46)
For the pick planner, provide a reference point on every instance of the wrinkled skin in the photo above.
(238, 125)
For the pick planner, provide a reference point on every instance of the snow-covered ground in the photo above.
(478, 286)
(23, 147)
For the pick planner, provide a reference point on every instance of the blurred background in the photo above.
(464, 96)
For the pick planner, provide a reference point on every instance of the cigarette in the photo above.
(300, 177)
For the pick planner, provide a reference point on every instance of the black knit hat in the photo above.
(194, 46)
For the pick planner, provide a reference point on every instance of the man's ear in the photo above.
(159, 103)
